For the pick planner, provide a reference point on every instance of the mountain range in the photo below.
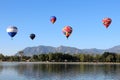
(29, 51)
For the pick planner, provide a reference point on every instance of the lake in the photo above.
(39, 71)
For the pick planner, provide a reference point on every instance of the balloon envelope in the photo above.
(53, 19)
(12, 31)
(32, 36)
(67, 30)
(106, 22)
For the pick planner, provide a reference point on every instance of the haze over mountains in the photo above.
(29, 51)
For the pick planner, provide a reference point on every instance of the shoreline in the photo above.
(65, 62)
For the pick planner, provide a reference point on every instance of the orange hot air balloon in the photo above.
(106, 22)
(67, 30)
(53, 19)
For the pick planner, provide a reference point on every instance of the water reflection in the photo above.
(38, 71)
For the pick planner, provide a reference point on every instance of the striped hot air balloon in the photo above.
(67, 30)
(12, 31)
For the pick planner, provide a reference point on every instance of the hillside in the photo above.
(29, 51)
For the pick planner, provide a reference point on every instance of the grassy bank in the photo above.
(65, 62)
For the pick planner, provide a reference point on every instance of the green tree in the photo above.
(118, 58)
(109, 58)
(97, 57)
(50, 55)
(35, 58)
(1, 57)
(42, 57)
(81, 57)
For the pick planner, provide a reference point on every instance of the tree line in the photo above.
(61, 57)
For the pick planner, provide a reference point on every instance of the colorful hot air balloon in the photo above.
(67, 30)
(106, 22)
(53, 19)
(32, 36)
(12, 31)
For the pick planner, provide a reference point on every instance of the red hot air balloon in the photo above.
(106, 22)
(53, 19)
(67, 30)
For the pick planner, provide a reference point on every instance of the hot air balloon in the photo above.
(12, 31)
(106, 22)
(67, 30)
(32, 36)
(53, 19)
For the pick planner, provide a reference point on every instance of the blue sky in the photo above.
(84, 16)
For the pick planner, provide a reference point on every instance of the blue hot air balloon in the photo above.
(12, 31)
(32, 36)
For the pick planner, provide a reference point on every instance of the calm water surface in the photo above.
(38, 71)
